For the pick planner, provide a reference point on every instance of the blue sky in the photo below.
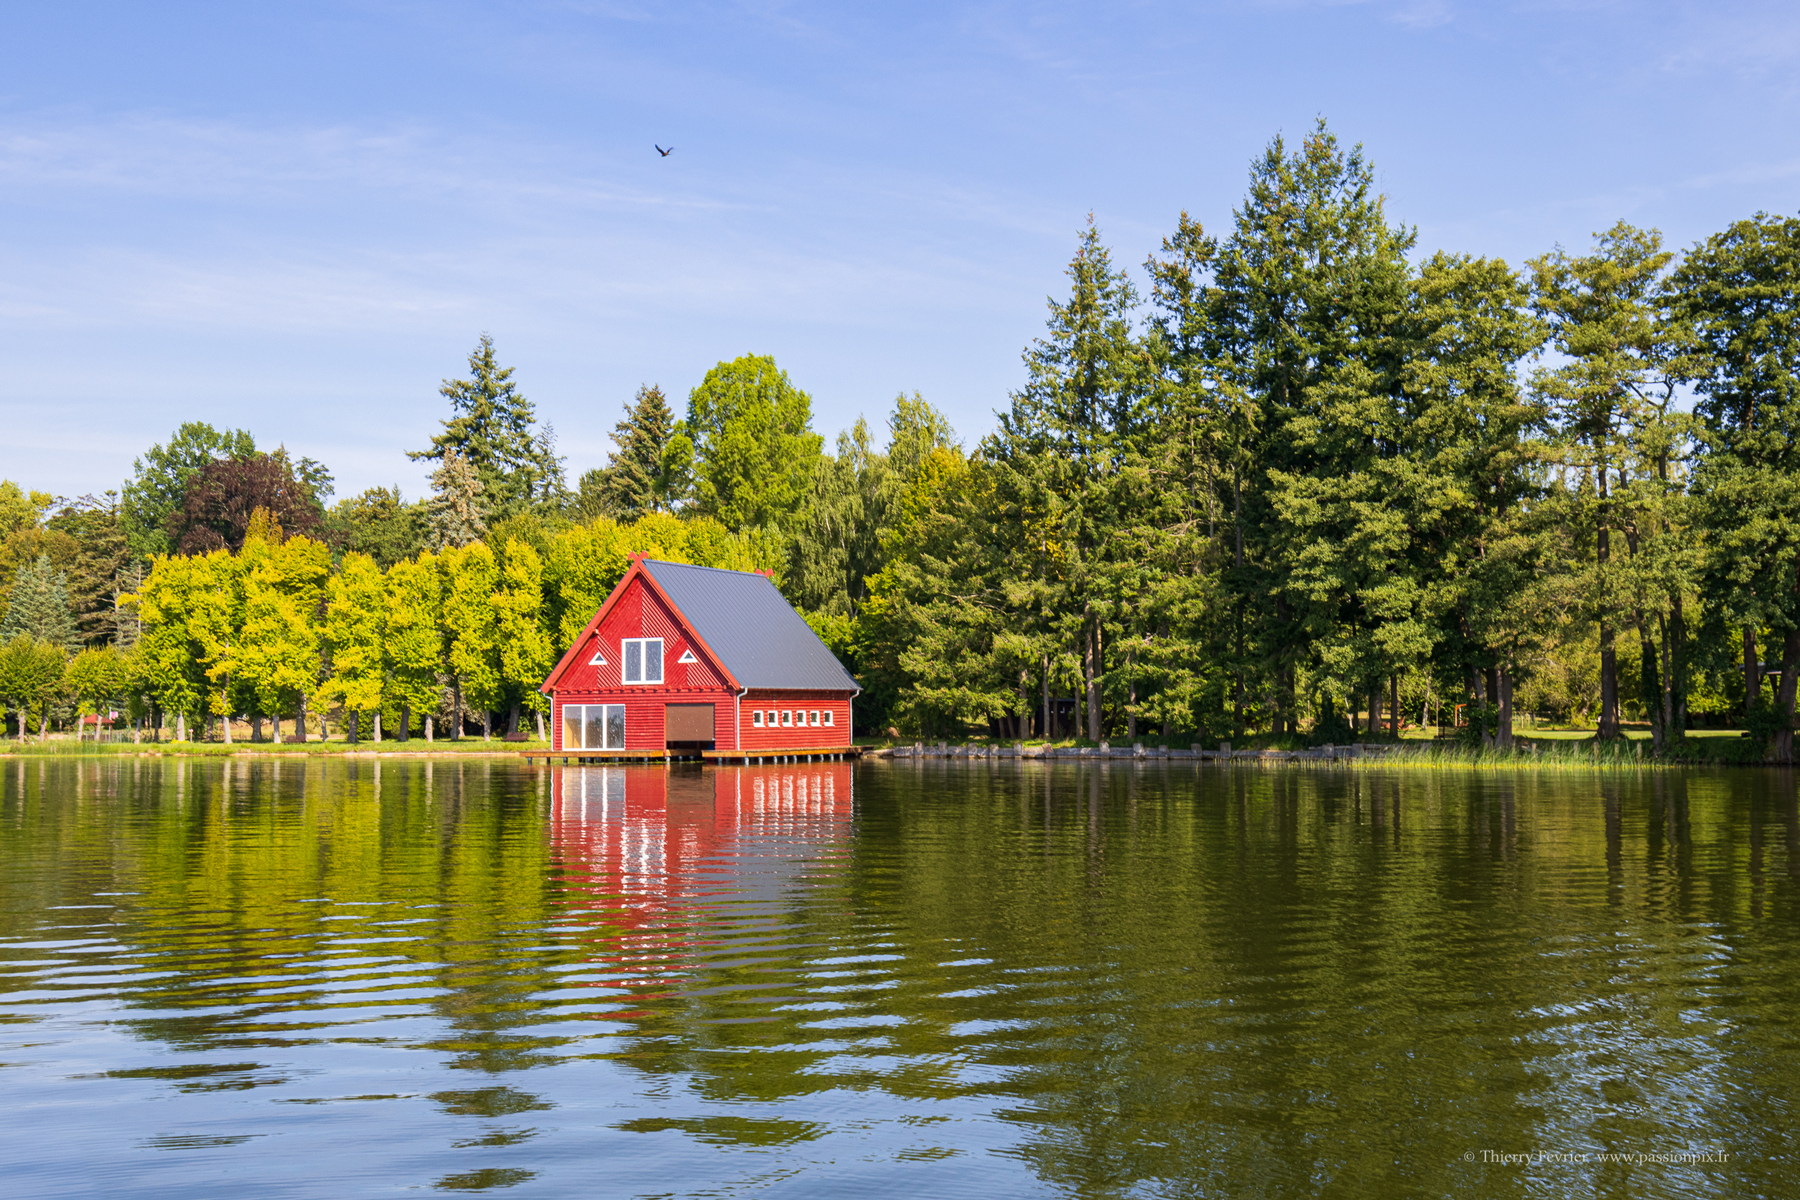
(299, 218)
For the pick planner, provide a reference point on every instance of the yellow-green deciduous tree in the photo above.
(170, 655)
(281, 657)
(354, 612)
(415, 637)
(471, 576)
(97, 679)
(526, 654)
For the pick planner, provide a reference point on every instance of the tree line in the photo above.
(1305, 482)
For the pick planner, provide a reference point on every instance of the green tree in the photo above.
(641, 475)
(38, 606)
(457, 512)
(1306, 290)
(98, 679)
(416, 635)
(526, 651)
(169, 654)
(216, 621)
(380, 523)
(31, 674)
(1604, 314)
(1737, 295)
(100, 570)
(493, 427)
(160, 478)
(283, 597)
(471, 577)
(355, 607)
(753, 444)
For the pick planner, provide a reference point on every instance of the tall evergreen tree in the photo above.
(640, 476)
(38, 606)
(493, 428)
(457, 512)
(1737, 295)
(1603, 311)
(1306, 291)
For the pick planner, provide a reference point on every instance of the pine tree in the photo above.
(492, 428)
(457, 512)
(1738, 296)
(38, 606)
(638, 477)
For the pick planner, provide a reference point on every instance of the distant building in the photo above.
(693, 658)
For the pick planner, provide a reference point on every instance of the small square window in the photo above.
(756, 717)
(772, 719)
(787, 716)
(827, 716)
(812, 718)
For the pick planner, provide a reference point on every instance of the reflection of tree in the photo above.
(1260, 983)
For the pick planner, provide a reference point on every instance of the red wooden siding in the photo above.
(781, 737)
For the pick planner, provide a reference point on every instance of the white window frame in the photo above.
(826, 714)
(756, 717)
(643, 645)
(812, 716)
(787, 718)
(579, 711)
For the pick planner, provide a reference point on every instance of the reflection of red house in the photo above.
(694, 659)
(645, 850)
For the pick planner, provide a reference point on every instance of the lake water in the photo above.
(350, 978)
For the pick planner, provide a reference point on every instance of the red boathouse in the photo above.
(691, 659)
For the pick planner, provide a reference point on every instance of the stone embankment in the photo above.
(1137, 751)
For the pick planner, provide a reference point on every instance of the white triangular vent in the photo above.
(687, 656)
(599, 659)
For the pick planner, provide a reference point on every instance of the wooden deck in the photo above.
(581, 757)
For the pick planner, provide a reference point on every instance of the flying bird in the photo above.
(661, 151)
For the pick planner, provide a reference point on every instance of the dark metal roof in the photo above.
(755, 632)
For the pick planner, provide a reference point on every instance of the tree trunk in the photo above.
(44, 724)
(1609, 659)
(1668, 689)
(539, 718)
(428, 728)
(1374, 709)
(275, 726)
(1044, 730)
(300, 719)
(1090, 653)
(1677, 673)
(225, 717)
(456, 713)
(512, 719)
(1752, 673)
(1503, 734)
(255, 728)
(355, 725)
(1130, 702)
(405, 721)
(377, 727)
(1394, 706)
(1783, 750)
(181, 727)
(1237, 524)
(487, 724)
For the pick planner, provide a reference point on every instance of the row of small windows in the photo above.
(787, 717)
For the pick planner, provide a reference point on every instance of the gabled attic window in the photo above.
(687, 656)
(599, 659)
(643, 659)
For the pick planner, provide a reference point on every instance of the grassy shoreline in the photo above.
(415, 748)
